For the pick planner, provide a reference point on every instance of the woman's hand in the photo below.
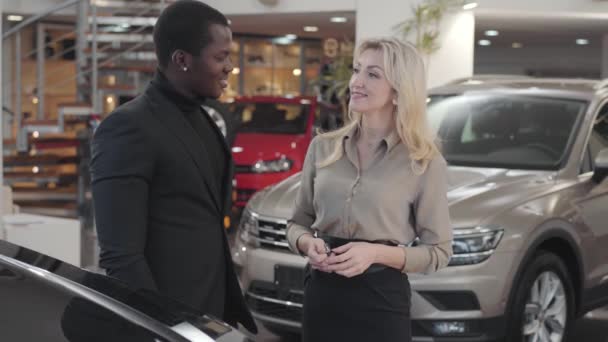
(352, 258)
(315, 249)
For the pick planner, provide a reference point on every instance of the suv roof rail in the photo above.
(487, 77)
(601, 84)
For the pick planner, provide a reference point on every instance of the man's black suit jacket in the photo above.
(153, 198)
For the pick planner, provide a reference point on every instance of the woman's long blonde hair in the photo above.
(406, 74)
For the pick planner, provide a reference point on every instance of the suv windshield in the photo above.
(273, 118)
(507, 131)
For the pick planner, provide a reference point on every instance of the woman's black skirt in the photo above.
(373, 306)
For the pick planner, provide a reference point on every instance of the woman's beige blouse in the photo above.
(387, 201)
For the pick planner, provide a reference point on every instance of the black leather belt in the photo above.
(335, 242)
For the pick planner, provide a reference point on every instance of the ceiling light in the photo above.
(517, 45)
(236, 71)
(297, 72)
(582, 41)
(338, 19)
(14, 17)
(282, 41)
(311, 29)
(484, 42)
(291, 36)
(469, 6)
(491, 33)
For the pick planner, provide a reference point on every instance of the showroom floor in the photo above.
(593, 328)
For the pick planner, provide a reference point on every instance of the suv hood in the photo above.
(473, 193)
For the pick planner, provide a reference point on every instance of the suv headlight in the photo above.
(268, 166)
(248, 227)
(474, 245)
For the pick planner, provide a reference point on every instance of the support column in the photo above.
(605, 56)
(40, 60)
(82, 25)
(94, 65)
(2, 122)
(453, 60)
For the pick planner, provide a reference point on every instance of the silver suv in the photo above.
(529, 206)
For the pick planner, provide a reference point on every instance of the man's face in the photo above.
(211, 68)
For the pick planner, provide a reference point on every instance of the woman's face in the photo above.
(370, 91)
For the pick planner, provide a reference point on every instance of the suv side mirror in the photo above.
(600, 170)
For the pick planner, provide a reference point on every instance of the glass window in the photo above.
(599, 136)
(494, 130)
(258, 68)
(274, 118)
(272, 68)
(233, 80)
(313, 60)
(287, 70)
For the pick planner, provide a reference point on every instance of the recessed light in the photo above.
(282, 40)
(484, 42)
(14, 17)
(582, 41)
(338, 19)
(491, 33)
(469, 6)
(517, 45)
(297, 72)
(311, 29)
(291, 36)
(236, 71)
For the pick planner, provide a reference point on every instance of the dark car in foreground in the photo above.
(44, 299)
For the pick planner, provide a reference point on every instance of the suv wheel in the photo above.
(543, 307)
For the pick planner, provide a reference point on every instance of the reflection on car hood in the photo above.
(85, 307)
(473, 193)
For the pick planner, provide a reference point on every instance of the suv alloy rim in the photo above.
(546, 310)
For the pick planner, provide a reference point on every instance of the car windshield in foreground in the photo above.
(505, 131)
(273, 118)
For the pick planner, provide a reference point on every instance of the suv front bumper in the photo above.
(461, 303)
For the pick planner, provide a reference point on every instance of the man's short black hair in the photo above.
(184, 25)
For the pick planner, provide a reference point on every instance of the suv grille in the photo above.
(272, 233)
(266, 299)
(242, 168)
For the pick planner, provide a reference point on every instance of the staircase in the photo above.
(69, 67)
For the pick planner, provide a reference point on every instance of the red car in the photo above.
(271, 141)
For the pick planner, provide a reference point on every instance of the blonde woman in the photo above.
(368, 190)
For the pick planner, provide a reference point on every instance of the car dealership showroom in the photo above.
(127, 218)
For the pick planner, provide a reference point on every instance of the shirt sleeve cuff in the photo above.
(417, 260)
(427, 258)
(294, 232)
